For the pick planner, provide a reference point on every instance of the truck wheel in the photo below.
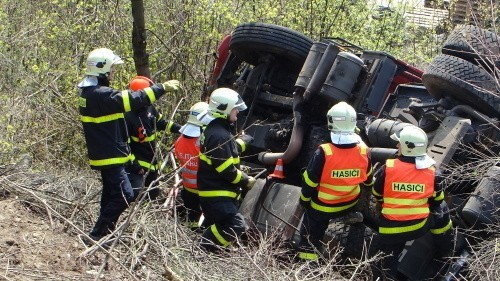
(463, 81)
(250, 41)
(473, 44)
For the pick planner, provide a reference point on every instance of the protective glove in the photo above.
(173, 127)
(243, 141)
(246, 138)
(171, 86)
(251, 182)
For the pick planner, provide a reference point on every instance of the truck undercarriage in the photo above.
(289, 82)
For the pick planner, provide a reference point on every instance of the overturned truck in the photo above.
(289, 82)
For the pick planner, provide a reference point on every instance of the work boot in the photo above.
(95, 240)
(91, 240)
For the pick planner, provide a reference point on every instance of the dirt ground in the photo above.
(34, 249)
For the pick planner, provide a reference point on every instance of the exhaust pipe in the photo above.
(295, 144)
(311, 77)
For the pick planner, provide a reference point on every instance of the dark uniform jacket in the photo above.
(143, 126)
(218, 172)
(102, 114)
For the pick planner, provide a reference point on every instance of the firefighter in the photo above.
(333, 179)
(102, 111)
(187, 149)
(144, 126)
(220, 178)
(409, 189)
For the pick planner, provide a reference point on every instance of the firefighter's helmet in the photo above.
(195, 110)
(100, 61)
(139, 83)
(341, 118)
(223, 100)
(412, 141)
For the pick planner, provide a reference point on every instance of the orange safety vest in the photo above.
(344, 170)
(406, 191)
(187, 151)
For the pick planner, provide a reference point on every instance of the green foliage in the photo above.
(44, 45)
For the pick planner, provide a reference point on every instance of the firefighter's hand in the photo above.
(251, 182)
(246, 138)
(171, 86)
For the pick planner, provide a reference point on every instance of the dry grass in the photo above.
(153, 244)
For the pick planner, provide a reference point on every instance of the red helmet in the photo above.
(139, 83)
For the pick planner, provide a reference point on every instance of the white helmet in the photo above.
(99, 62)
(195, 110)
(223, 100)
(341, 118)
(412, 140)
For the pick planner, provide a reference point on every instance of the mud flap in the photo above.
(272, 208)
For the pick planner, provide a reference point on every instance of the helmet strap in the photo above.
(103, 80)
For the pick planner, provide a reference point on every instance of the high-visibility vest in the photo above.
(187, 151)
(406, 191)
(344, 170)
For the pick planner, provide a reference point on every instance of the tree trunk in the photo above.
(141, 57)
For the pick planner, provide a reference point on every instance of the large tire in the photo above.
(463, 81)
(250, 41)
(473, 44)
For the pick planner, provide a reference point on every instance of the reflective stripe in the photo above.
(239, 175)
(390, 163)
(440, 196)
(442, 229)
(148, 165)
(307, 180)
(224, 165)
(363, 150)
(192, 190)
(151, 94)
(188, 171)
(205, 158)
(327, 209)
(401, 229)
(370, 172)
(188, 180)
(303, 198)
(111, 161)
(375, 192)
(126, 100)
(217, 193)
(218, 236)
(146, 139)
(329, 196)
(402, 201)
(308, 256)
(405, 211)
(339, 188)
(101, 119)
(370, 183)
(327, 149)
(242, 144)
